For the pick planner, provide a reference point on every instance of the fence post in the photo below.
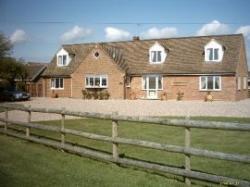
(62, 127)
(28, 120)
(114, 135)
(6, 118)
(187, 156)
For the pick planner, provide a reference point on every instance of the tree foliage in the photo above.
(11, 70)
(5, 46)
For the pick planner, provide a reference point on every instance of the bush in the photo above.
(105, 94)
(180, 96)
(86, 94)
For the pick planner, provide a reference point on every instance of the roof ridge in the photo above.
(154, 39)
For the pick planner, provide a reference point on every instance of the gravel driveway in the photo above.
(136, 107)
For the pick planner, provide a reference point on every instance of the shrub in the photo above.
(180, 96)
(84, 94)
(105, 94)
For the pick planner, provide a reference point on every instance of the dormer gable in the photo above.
(213, 51)
(63, 58)
(157, 54)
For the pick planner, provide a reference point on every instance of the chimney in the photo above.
(136, 38)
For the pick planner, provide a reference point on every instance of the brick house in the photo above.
(152, 69)
(34, 81)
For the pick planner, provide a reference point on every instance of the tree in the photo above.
(10, 69)
(5, 46)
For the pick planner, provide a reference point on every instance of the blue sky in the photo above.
(37, 28)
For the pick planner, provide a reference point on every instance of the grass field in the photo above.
(31, 164)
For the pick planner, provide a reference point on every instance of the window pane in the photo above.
(159, 56)
(159, 82)
(91, 81)
(153, 55)
(87, 81)
(61, 83)
(216, 55)
(104, 81)
(97, 81)
(144, 85)
(57, 83)
(59, 60)
(209, 82)
(152, 82)
(217, 83)
(210, 53)
(203, 83)
(64, 59)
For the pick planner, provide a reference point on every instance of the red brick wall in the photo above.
(65, 92)
(189, 85)
(103, 65)
(242, 71)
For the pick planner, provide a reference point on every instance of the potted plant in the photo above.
(84, 94)
(105, 94)
(209, 97)
(164, 96)
(180, 96)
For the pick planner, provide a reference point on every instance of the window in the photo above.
(157, 54)
(152, 82)
(210, 83)
(213, 51)
(57, 83)
(244, 83)
(96, 81)
(239, 83)
(213, 54)
(62, 60)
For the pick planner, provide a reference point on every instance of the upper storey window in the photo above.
(213, 51)
(63, 58)
(157, 54)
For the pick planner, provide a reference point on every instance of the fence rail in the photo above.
(115, 140)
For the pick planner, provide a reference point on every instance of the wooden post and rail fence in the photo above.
(115, 140)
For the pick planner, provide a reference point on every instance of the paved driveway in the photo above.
(137, 107)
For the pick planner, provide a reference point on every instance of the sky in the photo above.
(38, 28)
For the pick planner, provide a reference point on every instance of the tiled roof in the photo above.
(184, 55)
(34, 69)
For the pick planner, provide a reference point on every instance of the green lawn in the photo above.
(31, 164)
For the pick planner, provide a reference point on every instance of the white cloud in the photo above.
(159, 33)
(75, 33)
(214, 27)
(115, 34)
(245, 30)
(18, 36)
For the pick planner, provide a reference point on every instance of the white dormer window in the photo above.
(157, 54)
(213, 51)
(63, 58)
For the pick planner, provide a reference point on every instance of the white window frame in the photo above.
(214, 45)
(59, 58)
(145, 82)
(53, 83)
(101, 77)
(156, 48)
(206, 79)
(60, 61)
(239, 83)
